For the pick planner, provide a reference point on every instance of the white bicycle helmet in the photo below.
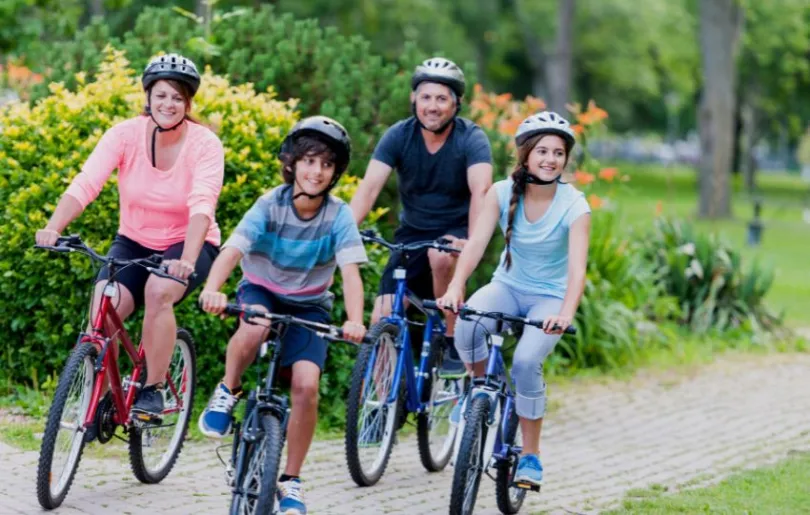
(545, 122)
(441, 70)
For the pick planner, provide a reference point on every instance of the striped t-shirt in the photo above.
(292, 257)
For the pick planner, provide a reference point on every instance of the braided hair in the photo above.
(518, 176)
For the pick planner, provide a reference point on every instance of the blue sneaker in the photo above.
(529, 470)
(215, 421)
(291, 498)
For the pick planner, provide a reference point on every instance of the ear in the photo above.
(413, 97)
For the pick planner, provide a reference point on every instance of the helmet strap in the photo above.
(530, 178)
(158, 128)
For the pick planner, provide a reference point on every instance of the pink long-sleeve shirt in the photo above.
(156, 205)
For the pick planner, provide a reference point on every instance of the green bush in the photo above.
(707, 276)
(43, 147)
(331, 74)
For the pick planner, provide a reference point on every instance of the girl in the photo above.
(541, 275)
(170, 173)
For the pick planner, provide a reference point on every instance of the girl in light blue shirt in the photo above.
(541, 274)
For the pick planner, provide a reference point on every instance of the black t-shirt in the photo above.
(433, 188)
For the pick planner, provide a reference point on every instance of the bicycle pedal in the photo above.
(527, 486)
(146, 420)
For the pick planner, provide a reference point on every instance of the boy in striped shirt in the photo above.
(289, 244)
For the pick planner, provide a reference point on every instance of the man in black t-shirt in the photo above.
(444, 169)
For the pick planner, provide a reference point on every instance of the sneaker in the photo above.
(529, 470)
(455, 415)
(148, 406)
(215, 421)
(291, 498)
(452, 366)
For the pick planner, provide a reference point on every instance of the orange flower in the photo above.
(595, 201)
(659, 208)
(478, 89)
(597, 113)
(578, 129)
(509, 127)
(608, 174)
(583, 178)
(502, 101)
(534, 104)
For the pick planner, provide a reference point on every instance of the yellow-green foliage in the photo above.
(41, 150)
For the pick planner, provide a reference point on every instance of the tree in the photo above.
(720, 26)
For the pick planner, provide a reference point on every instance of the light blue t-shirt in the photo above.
(539, 249)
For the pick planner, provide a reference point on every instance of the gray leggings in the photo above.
(532, 349)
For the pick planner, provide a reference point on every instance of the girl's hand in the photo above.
(452, 299)
(354, 331)
(556, 324)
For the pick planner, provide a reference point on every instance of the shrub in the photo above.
(707, 276)
(42, 148)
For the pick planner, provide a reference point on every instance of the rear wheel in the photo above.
(63, 440)
(370, 419)
(153, 450)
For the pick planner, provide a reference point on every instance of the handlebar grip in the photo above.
(430, 304)
(233, 310)
(54, 248)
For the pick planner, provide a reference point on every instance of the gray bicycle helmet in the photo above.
(171, 67)
(546, 122)
(441, 70)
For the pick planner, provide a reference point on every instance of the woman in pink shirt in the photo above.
(170, 172)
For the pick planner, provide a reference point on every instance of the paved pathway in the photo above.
(600, 440)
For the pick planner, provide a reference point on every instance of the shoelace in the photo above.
(223, 402)
(533, 464)
(292, 490)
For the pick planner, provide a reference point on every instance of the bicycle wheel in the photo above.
(63, 440)
(509, 498)
(370, 420)
(257, 490)
(153, 450)
(435, 433)
(470, 464)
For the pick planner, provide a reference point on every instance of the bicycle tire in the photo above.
(82, 359)
(431, 462)
(143, 471)
(472, 447)
(269, 454)
(354, 410)
(509, 498)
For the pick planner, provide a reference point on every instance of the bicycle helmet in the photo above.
(171, 67)
(443, 71)
(546, 122)
(335, 136)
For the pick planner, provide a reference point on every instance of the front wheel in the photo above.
(370, 418)
(435, 434)
(510, 498)
(256, 491)
(63, 440)
(153, 450)
(470, 464)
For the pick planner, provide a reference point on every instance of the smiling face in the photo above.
(313, 173)
(435, 104)
(547, 158)
(169, 103)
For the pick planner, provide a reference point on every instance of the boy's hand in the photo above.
(354, 331)
(213, 301)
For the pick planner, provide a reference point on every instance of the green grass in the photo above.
(785, 240)
(781, 489)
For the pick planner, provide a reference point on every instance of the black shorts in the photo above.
(135, 277)
(298, 343)
(418, 276)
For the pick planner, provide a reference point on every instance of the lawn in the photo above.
(786, 237)
(779, 489)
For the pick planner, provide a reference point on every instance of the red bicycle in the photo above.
(83, 410)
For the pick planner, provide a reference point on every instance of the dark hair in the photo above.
(306, 145)
(519, 188)
(181, 88)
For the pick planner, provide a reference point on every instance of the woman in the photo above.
(170, 172)
(541, 275)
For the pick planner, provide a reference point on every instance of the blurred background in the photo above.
(693, 117)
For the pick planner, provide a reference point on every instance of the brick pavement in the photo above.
(602, 439)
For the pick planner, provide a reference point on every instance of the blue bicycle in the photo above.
(385, 385)
(490, 432)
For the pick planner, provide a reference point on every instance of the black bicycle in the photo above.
(253, 468)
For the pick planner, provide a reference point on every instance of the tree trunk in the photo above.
(720, 26)
(558, 67)
(534, 50)
(748, 139)
(96, 8)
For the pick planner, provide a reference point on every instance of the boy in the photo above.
(289, 244)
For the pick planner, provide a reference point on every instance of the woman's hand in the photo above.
(213, 302)
(453, 298)
(556, 324)
(179, 268)
(47, 237)
(354, 331)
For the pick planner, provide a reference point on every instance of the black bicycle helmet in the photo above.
(171, 67)
(334, 135)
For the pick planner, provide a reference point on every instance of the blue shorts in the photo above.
(298, 343)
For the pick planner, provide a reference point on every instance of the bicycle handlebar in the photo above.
(325, 331)
(465, 311)
(440, 244)
(74, 243)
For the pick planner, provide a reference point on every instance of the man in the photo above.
(444, 168)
